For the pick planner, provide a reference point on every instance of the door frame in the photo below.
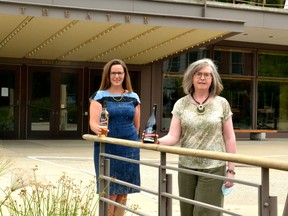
(55, 81)
(16, 102)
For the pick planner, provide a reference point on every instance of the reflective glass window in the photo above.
(273, 64)
(272, 112)
(237, 70)
(239, 95)
(234, 62)
(7, 101)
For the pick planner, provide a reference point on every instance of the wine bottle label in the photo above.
(148, 139)
(104, 118)
(150, 135)
(103, 122)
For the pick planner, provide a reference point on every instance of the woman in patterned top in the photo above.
(202, 120)
(123, 105)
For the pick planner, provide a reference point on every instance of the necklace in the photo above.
(118, 100)
(200, 106)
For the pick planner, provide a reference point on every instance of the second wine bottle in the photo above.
(151, 126)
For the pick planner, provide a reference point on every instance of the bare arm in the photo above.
(137, 117)
(230, 145)
(95, 112)
(173, 135)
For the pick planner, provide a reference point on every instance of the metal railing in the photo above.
(267, 204)
(279, 4)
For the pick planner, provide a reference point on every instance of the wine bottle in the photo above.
(104, 119)
(151, 126)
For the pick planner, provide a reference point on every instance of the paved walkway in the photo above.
(75, 157)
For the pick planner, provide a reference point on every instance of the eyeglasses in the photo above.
(199, 75)
(120, 74)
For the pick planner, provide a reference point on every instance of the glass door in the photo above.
(40, 108)
(9, 103)
(54, 105)
(70, 117)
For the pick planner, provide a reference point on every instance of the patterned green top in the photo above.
(202, 131)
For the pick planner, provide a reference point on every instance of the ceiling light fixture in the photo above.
(52, 38)
(91, 40)
(177, 51)
(165, 43)
(16, 31)
(125, 43)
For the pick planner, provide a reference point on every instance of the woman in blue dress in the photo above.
(123, 105)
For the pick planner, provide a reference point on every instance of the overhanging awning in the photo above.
(53, 32)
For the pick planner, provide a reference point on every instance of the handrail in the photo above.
(237, 158)
(267, 205)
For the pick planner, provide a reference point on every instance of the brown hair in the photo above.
(105, 82)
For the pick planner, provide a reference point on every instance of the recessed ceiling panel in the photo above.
(74, 35)
(29, 33)
(195, 38)
(47, 38)
(142, 41)
(106, 41)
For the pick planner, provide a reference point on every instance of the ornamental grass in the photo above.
(29, 196)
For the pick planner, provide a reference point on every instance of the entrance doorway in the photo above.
(9, 102)
(54, 103)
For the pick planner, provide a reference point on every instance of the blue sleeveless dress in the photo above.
(121, 125)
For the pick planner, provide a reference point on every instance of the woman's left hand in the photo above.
(228, 183)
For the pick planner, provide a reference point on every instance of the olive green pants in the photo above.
(201, 189)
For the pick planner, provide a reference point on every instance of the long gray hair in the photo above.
(216, 85)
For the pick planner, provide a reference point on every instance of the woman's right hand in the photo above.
(98, 131)
(156, 138)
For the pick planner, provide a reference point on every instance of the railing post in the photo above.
(273, 205)
(264, 193)
(107, 185)
(162, 208)
(204, 8)
(104, 170)
(285, 211)
(169, 190)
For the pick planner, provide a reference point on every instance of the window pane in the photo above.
(176, 64)
(181, 62)
(271, 64)
(172, 91)
(272, 105)
(234, 62)
(40, 101)
(199, 54)
(68, 102)
(7, 90)
(238, 94)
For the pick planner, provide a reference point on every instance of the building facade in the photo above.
(52, 54)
